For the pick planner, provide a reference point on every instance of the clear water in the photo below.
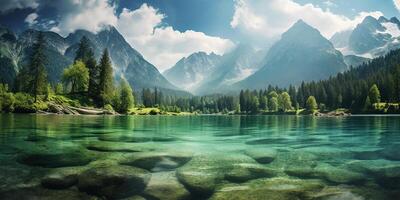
(199, 157)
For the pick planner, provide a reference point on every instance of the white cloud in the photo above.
(9, 5)
(90, 15)
(268, 19)
(397, 4)
(142, 28)
(162, 45)
(31, 19)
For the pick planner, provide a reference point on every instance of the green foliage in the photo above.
(109, 107)
(367, 104)
(374, 94)
(273, 104)
(76, 77)
(59, 89)
(24, 103)
(106, 86)
(86, 55)
(273, 94)
(34, 76)
(284, 102)
(311, 104)
(7, 99)
(264, 103)
(62, 100)
(125, 96)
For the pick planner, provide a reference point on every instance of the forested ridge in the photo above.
(372, 87)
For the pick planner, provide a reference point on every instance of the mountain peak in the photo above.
(301, 26)
(383, 19)
(395, 20)
(302, 33)
(369, 19)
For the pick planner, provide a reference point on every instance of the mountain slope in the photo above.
(188, 73)
(371, 38)
(60, 52)
(126, 61)
(355, 61)
(235, 66)
(302, 54)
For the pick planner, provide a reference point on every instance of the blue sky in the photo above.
(166, 30)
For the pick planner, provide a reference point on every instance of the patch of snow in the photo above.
(391, 29)
(346, 51)
(240, 75)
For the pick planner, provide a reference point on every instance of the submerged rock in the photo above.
(113, 147)
(157, 161)
(203, 173)
(263, 156)
(59, 181)
(165, 185)
(53, 160)
(133, 139)
(123, 138)
(272, 188)
(267, 141)
(244, 172)
(61, 178)
(328, 172)
(391, 152)
(335, 193)
(338, 175)
(113, 181)
(385, 172)
(43, 194)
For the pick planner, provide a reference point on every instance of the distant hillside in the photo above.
(302, 54)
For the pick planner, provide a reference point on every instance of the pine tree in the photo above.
(84, 51)
(37, 75)
(106, 85)
(311, 104)
(374, 94)
(126, 96)
(86, 55)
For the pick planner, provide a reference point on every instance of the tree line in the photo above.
(361, 90)
(85, 77)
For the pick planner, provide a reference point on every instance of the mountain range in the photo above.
(301, 54)
(60, 51)
(371, 38)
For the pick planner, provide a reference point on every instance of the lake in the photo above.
(199, 157)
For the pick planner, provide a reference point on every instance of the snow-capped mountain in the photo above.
(202, 73)
(188, 73)
(235, 66)
(371, 38)
(302, 54)
(60, 52)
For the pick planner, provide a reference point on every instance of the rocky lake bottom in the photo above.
(199, 157)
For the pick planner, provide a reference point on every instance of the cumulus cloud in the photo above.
(397, 4)
(142, 28)
(90, 15)
(268, 19)
(9, 5)
(163, 45)
(31, 19)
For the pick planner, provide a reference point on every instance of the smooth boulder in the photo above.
(113, 181)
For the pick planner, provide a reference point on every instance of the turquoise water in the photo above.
(199, 157)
